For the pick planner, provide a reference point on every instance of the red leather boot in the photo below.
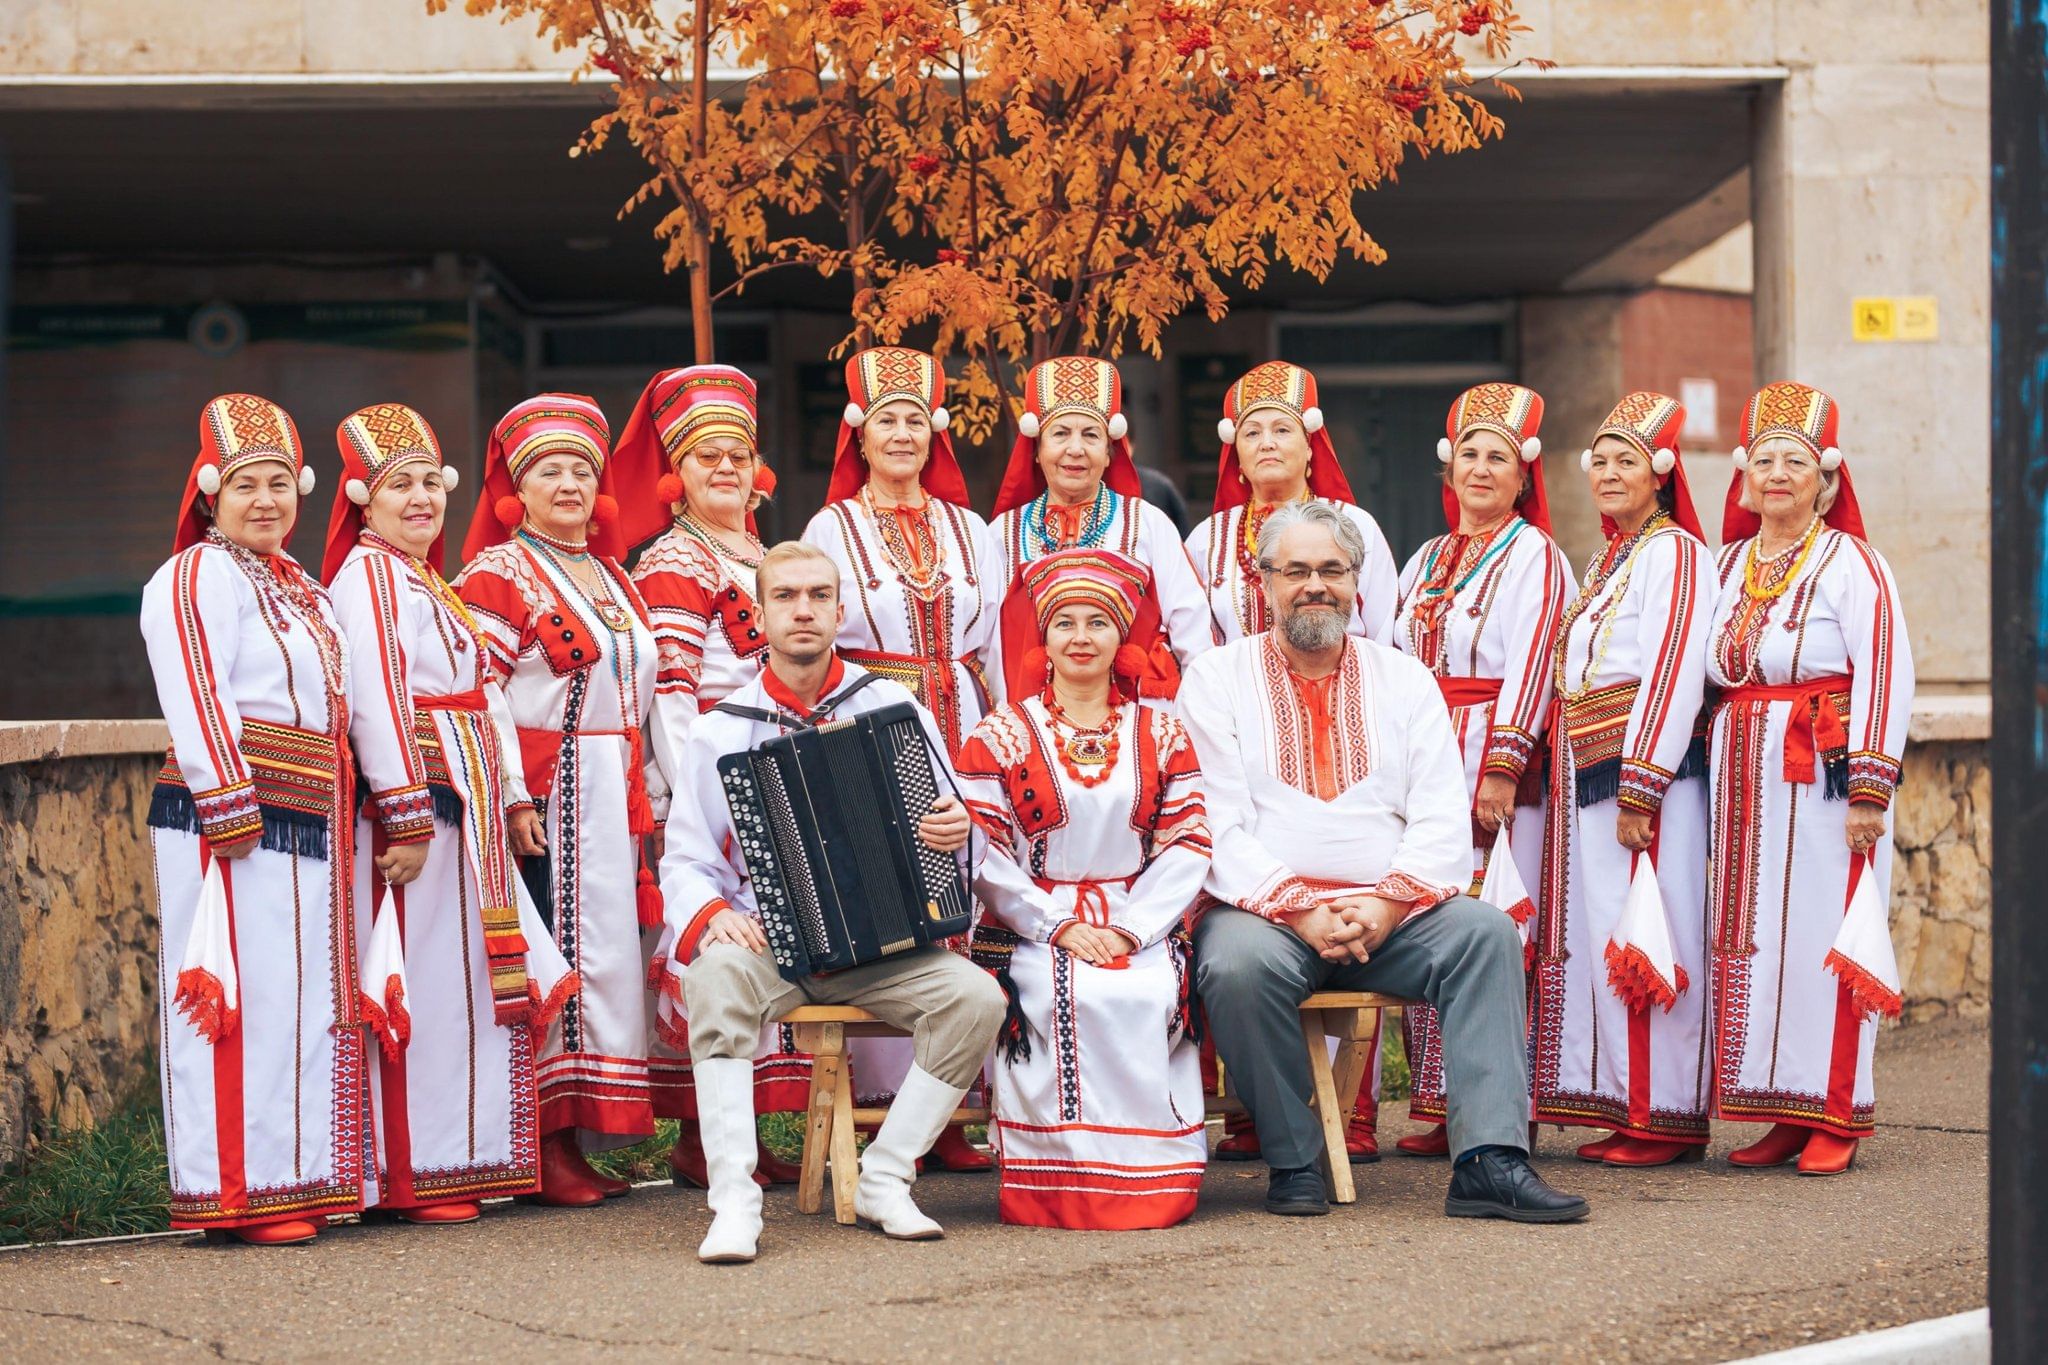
(1361, 1133)
(1653, 1152)
(1240, 1139)
(1435, 1142)
(282, 1233)
(562, 1183)
(1783, 1143)
(1827, 1154)
(953, 1152)
(1597, 1151)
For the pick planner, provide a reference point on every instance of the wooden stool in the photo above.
(1340, 1015)
(822, 1031)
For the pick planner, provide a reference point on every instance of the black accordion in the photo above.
(827, 822)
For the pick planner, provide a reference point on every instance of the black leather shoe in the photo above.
(1298, 1193)
(1500, 1183)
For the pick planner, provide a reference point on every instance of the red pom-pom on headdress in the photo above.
(607, 513)
(669, 488)
(511, 511)
(1037, 663)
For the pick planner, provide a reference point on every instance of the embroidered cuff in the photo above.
(228, 815)
(1053, 932)
(514, 807)
(406, 814)
(1643, 786)
(1872, 777)
(1416, 894)
(1130, 934)
(1287, 897)
(686, 942)
(1507, 751)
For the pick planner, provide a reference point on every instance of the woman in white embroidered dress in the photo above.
(690, 474)
(1098, 846)
(1619, 1015)
(1809, 649)
(1071, 484)
(465, 977)
(266, 1112)
(920, 609)
(572, 679)
(1277, 451)
(1480, 607)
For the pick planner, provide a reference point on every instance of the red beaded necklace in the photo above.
(1092, 747)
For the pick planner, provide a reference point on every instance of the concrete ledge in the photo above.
(36, 741)
(1955, 716)
(1964, 1339)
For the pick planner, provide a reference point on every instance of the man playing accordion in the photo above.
(729, 984)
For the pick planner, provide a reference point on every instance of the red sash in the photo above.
(1816, 726)
(1468, 691)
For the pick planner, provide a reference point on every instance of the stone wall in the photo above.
(78, 934)
(78, 924)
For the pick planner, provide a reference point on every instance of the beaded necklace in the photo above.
(1615, 565)
(1757, 567)
(284, 591)
(919, 566)
(443, 593)
(1092, 746)
(712, 541)
(1094, 529)
(563, 555)
(1765, 579)
(1446, 574)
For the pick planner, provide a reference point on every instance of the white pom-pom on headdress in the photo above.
(1118, 427)
(1312, 419)
(941, 419)
(1532, 450)
(358, 492)
(1226, 431)
(1443, 450)
(208, 479)
(1586, 460)
(1741, 457)
(1027, 426)
(1831, 459)
(854, 415)
(306, 481)
(450, 477)
(1663, 458)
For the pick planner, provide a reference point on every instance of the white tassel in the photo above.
(1532, 450)
(1831, 459)
(1226, 431)
(306, 481)
(1741, 457)
(1118, 427)
(1312, 419)
(1027, 426)
(1586, 461)
(358, 492)
(854, 415)
(1663, 459)
(450, 477)
(209, 479)
(941, 419)
(1443, 450)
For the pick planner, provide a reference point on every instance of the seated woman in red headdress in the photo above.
(1098, 847)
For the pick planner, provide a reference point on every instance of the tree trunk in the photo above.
(700, 231)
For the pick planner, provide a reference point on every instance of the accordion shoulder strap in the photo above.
(790, 720)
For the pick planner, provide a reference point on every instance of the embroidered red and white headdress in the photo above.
(1514, 414)
(236, 430)
(678, 409)
(546, 424)
(1067, 385)
(375, 443)
(875, 378)
(1121, 587)
(1286, 388)
(1808, 417)
(1651, 422)
(1098, 578)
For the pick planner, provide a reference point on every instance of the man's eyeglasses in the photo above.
(1302, 573)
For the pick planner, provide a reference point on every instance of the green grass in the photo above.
(104, 1181)
(648, 1160)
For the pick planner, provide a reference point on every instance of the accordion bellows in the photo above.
(826, 820)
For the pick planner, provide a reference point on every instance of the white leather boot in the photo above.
(923, 1106)
(725, 1117)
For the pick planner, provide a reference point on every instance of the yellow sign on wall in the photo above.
(1912, 317)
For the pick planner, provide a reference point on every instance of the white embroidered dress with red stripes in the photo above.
(453, 1077)
(1630, 670)
(1225, 555)
(707, 629)
(1096, 1086)
(1481, 612)
(572, 680)
(264, 1088)
(1828, 637)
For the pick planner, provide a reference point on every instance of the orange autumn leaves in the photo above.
(1009, 181)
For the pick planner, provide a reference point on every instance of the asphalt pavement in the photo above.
(1691, 1263)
